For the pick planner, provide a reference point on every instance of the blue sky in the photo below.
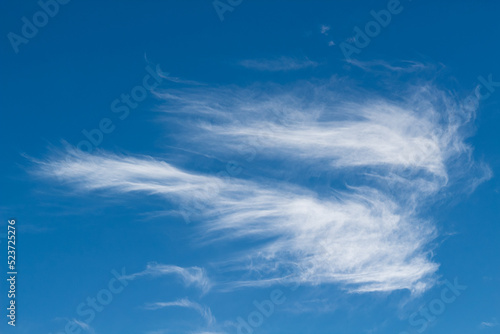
(252, 166)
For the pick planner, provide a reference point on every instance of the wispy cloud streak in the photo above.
(205, 312)
(278, 64)
(368, 236)
(190, 276)
(372, 243)
(417, 141)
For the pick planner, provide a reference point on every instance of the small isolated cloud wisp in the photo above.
(205, 312)
(190, 276)
(281, 64)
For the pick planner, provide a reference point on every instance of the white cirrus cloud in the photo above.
(416, 140)
(204, 311)
(489, 324)
(280, 64)
(190, 276)
(400, 155)
(371, 243)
